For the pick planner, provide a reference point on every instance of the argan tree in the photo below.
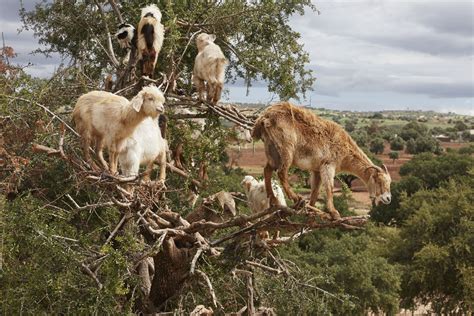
(75, 241)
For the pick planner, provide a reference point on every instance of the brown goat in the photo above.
(297, 137)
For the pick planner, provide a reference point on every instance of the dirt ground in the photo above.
(252, 159)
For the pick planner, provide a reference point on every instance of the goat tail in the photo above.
(259, 128)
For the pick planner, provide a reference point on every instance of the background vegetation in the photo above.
(417, 250)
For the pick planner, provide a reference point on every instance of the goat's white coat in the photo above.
(257, 195)
(143, 147)
(108, 119)
(209, 67)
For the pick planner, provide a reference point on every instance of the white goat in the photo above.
(209, 68)
(150, 39)
(109, 119)
(257, 195)
(144, 147)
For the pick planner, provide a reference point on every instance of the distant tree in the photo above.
(467, 136)
(413, 130)
(426, 144)
(433, 170)
(377, 115)
(460, 126)
(434, 248)
(394, 155)
(410, 146)
(360, 137)
(377, 146)
(350, 126)
(397, 143)
(437, 130)
(373, 128)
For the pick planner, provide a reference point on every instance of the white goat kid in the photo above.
(209, 68)
(144, 147)
(108, 119)
(257, 195)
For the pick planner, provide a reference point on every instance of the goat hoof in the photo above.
(335, 215)
(274, 201)
(161, 184)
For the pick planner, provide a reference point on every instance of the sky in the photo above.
(366, 55)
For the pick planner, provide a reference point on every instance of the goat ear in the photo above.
(137, 101)
(212, 37)
(385, 169)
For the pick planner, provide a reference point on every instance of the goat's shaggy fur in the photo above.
(297, 137)
(108, 119)
(150, 39)
(209, 68)
(144, 147)
(257, 195)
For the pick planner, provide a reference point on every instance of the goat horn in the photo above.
(373, 167)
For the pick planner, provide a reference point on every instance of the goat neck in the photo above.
(357, 163)
(129, 120)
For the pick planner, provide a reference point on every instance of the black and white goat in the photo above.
(150, 39)
(127, 38)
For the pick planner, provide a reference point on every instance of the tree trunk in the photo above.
(171, 271)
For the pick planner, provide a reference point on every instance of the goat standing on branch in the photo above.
(297, 137)
(209, 68)
(127, 38)
(109, 119)
(150, 39)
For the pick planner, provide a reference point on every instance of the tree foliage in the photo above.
(397, 143)
(424, 171)
(255, 37)
(438, 263)
(377, 146)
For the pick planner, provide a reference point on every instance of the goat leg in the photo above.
(327, 174)
(315, 186)
(267, 173)
(283, 175)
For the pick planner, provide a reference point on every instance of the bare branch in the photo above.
(119, 225)
(209, 284)
(195, 259)
(110, 52)
(116, 10)
(44, 108)
(89, 272)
